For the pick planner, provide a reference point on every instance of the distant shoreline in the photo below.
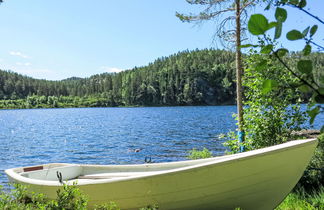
(13, 104)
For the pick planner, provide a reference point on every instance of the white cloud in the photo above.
(111, 69)
(19, 54)
(29, 70)
(38, 73)
(23, 64)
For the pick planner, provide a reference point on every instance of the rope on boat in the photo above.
(148, 159)
(59, 176)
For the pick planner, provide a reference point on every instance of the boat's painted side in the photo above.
(258, 179)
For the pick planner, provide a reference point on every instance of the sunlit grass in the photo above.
(303, 201)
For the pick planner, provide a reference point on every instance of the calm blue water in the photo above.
(110, 135)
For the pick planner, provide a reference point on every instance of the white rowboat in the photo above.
(258, 179)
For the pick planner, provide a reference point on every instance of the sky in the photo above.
(59, 39)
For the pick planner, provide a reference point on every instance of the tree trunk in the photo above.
(239, 72)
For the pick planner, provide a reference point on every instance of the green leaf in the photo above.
(307, 49)
(304, 88)
(281, 14)
(269, 85)
(278, 30)
(321, 90)
(313, 113)
(258, 24)
(302, 3)
(282, 52)
(313, 30)
(261, 65)
(305, 66)
(294, 35)
(266, 86)
(322, 129)
(305, 32)
(266, 49)
(293, 2)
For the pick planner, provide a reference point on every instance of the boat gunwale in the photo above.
(208, 162)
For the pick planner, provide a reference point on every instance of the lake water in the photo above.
(110, 135)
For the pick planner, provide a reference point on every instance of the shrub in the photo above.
(313, 177)
(293, 201)
(108, 206)
(269, 114)
(303, 200)
(271, 109)
(199, 154)
(18, 198)
(150, 207)
(69, 198)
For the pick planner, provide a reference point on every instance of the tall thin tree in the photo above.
(234, 11)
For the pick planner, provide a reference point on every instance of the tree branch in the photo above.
(292, 72)
(317, 45)
(246, 5)
(201, 16)
(308, 13)
(205, 2)
(296, 75)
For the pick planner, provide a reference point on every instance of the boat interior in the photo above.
(81, 173)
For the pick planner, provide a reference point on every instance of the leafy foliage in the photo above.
(302, 200)
(269, 114)
(304, 69)
(258, 24)
(232, 143)
(108, 206)
(68, 198)
(150, 207)
(313, 178)
(199, 154)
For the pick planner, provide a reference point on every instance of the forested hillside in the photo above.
(200, 77)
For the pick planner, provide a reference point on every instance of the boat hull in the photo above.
(259, 179)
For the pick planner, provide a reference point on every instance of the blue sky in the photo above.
(59, 39)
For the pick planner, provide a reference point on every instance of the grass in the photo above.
(303, 201)
(70, 197)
